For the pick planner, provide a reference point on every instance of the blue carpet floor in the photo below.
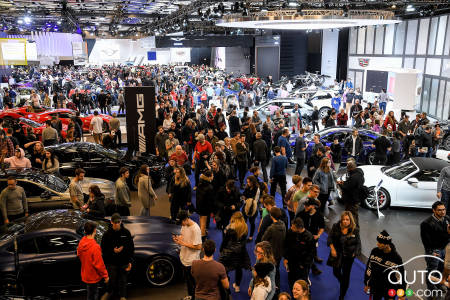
(323, 287)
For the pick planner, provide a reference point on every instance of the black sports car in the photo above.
(46, 259)
(101, 162)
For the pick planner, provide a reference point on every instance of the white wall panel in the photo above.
(370, 39)
(423, 36)
(409, 63)
(353, 40)
(400, 38)
(361, 40)
(432, 36)
(446, 68)
(420, 64)
(375, 62)
(447, 42)
(330, 41)
(389, 39)
(441, 35)
(411, 37)
(379, 37)
(440, 102)
(433, 66)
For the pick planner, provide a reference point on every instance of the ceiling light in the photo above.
(394, 6)
(293, 3)
(410, 8)
(27, 20)
(19, 21)
(59, 22)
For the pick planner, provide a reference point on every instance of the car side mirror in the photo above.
(413, 181)
(46, 195)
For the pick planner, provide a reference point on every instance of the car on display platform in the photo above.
(328, 135)
(46, 191)
(46, 263)
(101, 162)
(288, 104)
(36, 127)
(412, 183)
(322, 99)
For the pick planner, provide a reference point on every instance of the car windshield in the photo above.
(401, 171)
(51, 181)
(108, 152)
(7, 232)
(102, 227)
(30, 122)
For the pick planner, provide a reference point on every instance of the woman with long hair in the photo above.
(261, 282)
(390, 120)
(252, 193)
(37, 154)
(205, 199)
(180, 192)
(96, 203)
(325, 179)
(233, 251)
(345, 245)
(146, 194)
(264, 254)
(300, 291)
(50, 164)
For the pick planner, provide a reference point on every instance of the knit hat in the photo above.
(384, 238)
(263, 269)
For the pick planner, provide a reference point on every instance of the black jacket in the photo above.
(313, 161)
(348, 145)
(260, 150)
(97, 207)
(180, 195)
(224, 201)
(233, 251)
(204, 196)
(233, 123)
(112, 239)
(267, 221)
(336, 153)
(352, 186)
(330, 122)
(275, 235)
(434, 233)
(349, 245)
(313, 223)
(299, 248)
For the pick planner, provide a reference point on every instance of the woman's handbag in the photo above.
(334, 261)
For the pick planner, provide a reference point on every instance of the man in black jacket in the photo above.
(382, 145)
(299, 152)
(227, 203)
(331, 121)
(269, 202)
(353, 145)
(299, 249)
(118, 251)
(435, 234)
(314, 162)
(351, 189)
(314, 223)
(260, 154)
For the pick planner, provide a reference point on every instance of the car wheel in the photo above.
(323, 112)
(384, 199)
(371, 158)
(446, 143)
(160, 271)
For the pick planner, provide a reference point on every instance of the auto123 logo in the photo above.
(395, 277)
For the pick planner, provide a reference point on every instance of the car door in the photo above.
(33, 193)
(69, 160)
(58, 255)
(425, 193)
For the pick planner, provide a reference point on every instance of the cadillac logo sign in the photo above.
(363, 62)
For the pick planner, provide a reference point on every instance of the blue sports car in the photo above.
(328, 135)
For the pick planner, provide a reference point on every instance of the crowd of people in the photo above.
(223, 160)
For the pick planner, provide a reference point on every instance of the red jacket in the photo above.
(92, 266)
(199, 148)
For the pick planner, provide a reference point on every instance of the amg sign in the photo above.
(141, 118)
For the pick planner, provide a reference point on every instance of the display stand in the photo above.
(380, 214)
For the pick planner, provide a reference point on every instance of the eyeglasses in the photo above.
(258, 252)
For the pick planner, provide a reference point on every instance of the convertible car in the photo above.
(412, 183)
(105, 163)
(327, 136)
(37, 128)
(45, 260)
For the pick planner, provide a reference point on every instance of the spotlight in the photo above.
(293, 3)
(27, 20)
(410, 8)
(394, 6)
(19, 21)
(59, 22)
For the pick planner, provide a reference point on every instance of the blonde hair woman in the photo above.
(345, 245)
(233, 251)
(300, 291)
(179, 192)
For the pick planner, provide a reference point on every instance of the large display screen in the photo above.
(13, 52)
(376, 80)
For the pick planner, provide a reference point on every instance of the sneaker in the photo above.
(236, 288)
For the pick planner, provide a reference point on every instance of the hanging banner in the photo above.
(79, 53)
(141, 119)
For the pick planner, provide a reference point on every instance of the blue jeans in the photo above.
(445, 198)
(383, 106)
(92, 291)
(434, 264)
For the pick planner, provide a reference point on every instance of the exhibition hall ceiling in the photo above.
(121, 18)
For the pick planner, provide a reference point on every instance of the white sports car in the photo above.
(412, 183)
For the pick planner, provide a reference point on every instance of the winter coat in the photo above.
(347, 245)
(112, 239)
(233, 251)
(352, 186)
(179, 194)
(299, 248)
(348, 145)
(146, 195)
(97, 207)
(275, 235)
(260, 150)
(223, 204)
(205, 196)
(92, 266)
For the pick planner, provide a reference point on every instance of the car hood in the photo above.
(107, 187)
(373, 175)
(151, 160)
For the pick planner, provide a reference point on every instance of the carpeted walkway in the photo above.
(324, 286)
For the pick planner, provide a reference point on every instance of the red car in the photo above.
(37, 127)
(64, 115)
